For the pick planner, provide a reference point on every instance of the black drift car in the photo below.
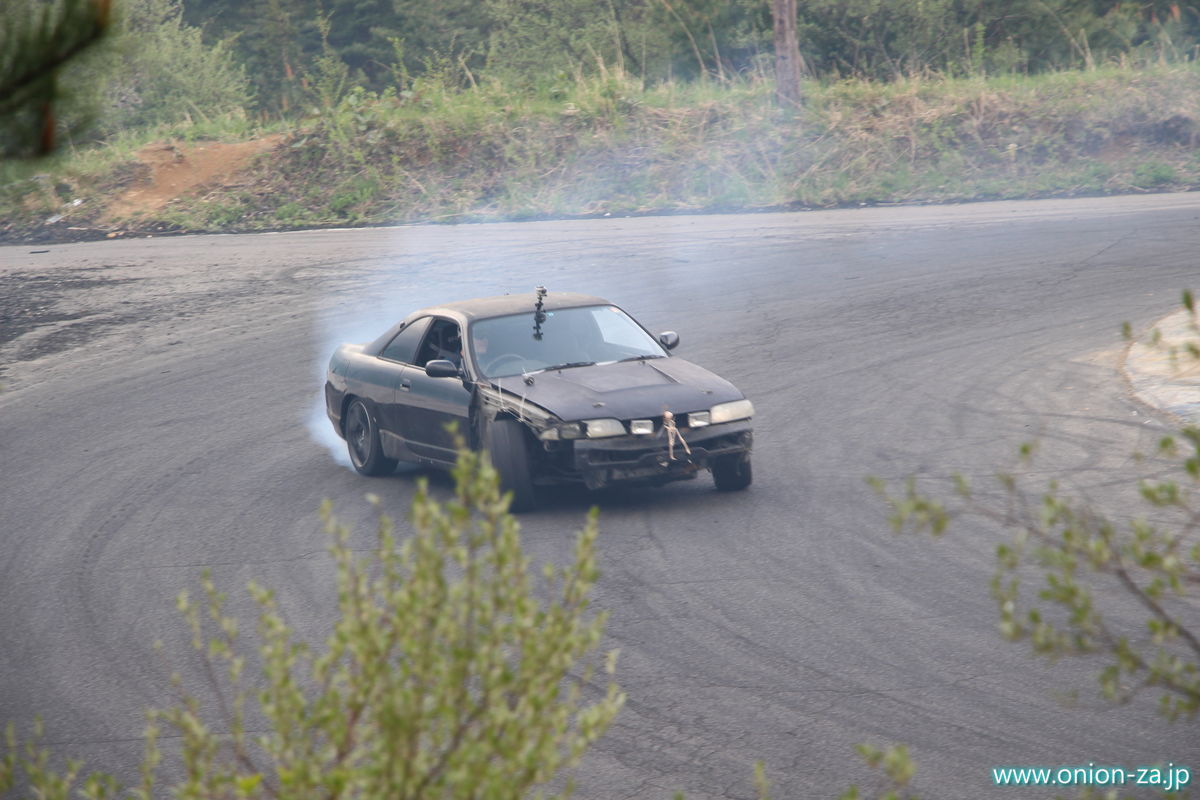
(558, 388)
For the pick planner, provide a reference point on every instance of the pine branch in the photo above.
(36, 47)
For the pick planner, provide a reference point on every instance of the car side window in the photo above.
(404, 344)
(442, 342)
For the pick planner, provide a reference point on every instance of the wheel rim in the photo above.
(358, 433)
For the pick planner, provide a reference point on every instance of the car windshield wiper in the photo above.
(641, 358)
(568, 365)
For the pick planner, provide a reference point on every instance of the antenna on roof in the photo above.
(539, 316)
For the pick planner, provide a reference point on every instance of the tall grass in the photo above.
(608, 144)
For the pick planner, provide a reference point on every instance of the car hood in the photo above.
(625, 390)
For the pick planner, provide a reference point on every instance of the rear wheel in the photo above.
(362, 440)
(508, 448)
(732, 473)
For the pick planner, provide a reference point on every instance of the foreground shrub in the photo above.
(448, 673)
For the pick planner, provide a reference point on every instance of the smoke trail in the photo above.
(428, 266)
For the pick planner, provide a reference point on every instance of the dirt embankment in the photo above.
(490, 154)
(137, 197)
(168, 170)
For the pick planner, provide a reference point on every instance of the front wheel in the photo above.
(508, 448)
(362, 440)
(732, 473)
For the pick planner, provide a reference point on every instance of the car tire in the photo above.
(732, 473)
(508, 448)
(362, 440)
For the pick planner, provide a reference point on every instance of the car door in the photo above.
(393, 361)
(426, 405)
(375, 381)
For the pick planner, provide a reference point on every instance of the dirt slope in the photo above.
(172, 170)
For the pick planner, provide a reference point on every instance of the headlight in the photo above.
(698, 419)
(570, 430)
(600, 428)
(728, 412)
(641, 427)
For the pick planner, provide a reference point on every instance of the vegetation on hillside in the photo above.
(664, 40)
(608, 145)
(400, 111)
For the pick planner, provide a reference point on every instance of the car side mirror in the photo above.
(441, 368)
(669, 339)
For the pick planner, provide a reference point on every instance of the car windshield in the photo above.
(568, 338)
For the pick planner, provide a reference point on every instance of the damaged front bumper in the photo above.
(646, 459)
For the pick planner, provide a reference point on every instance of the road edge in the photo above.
(1160, 372)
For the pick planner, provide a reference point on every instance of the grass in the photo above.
(610, 145)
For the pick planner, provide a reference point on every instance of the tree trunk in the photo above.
(789, 64)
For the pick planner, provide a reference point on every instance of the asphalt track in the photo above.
(157, 420)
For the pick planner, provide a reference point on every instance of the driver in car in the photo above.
(452, 349)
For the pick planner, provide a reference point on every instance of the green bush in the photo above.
(450, 671)
(162, 71)
(1153, 173)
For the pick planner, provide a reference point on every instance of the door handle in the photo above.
(405, 385)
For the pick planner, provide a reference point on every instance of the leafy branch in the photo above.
(1081, 552)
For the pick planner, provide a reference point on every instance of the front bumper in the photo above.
(645, 459)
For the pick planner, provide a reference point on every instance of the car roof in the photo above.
(467, 311)
(503, 305)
